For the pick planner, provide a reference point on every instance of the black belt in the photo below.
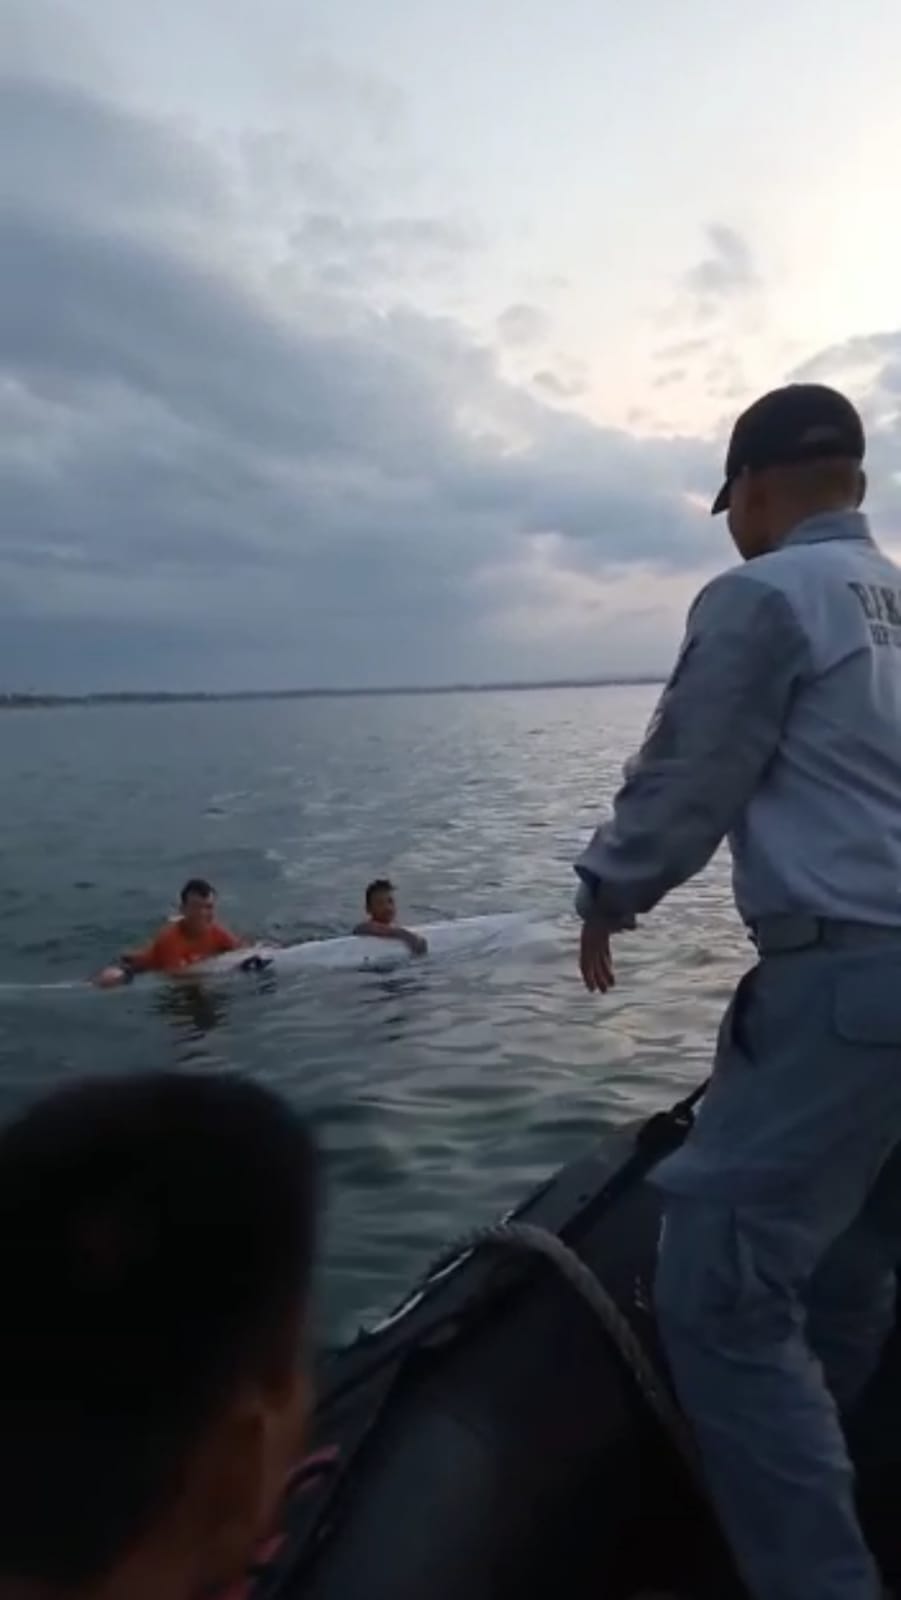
(780, 935)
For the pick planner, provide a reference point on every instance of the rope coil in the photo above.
(525, 1238)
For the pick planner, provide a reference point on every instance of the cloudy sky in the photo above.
(375, 341)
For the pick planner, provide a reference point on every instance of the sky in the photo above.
(389, 342)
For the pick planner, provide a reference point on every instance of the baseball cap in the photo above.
(802, 422)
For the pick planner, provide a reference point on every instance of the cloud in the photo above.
(255, 491)
(725, 377)
(243, 443)
(671, 378)
(72, 154)
(41, 37)
(724, 274)
(557, 385)
(682, 350)
(368, 255)
(871, 355)
(868, 368)
(330, 89)
(570, 618)
(721, 305)
(523, 325)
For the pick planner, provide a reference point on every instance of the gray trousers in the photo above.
(776, 1277)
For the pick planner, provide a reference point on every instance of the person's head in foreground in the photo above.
(156, 1241)
(381, 905)
(795, 453)
(197, 903)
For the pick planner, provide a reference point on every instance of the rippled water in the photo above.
(439, 1093)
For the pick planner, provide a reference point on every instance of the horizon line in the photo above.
(24, 699)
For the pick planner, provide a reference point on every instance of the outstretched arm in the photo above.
(714, 732)
(128, 966)
(377, 930)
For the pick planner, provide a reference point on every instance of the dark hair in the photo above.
(199, 887)
(156, 1242)
(377, 887)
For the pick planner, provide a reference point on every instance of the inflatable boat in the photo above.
(508, 1432)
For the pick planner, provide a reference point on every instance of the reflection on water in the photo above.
(439, 1092)
(194, 1007)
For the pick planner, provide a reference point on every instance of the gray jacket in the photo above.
(781, 728)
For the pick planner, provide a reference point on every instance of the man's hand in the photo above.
(110, 978)
(595, 960)
(416, 944)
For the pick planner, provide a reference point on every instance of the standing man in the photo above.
(781, 728)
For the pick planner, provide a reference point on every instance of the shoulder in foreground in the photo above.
(741, 593)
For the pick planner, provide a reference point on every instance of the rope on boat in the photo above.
(527, 1239)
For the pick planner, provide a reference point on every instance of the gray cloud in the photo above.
(557, 385)
(868, 368)
(523, 325)
(72, 154)
(397, 235)
(866, 352)
(682, 350)
(725, 378)
(721, 294)
(37, 34)
(367, 255)
(208, 479)
(671, 378)
(726, 272)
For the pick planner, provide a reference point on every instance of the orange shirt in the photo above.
(172, 950)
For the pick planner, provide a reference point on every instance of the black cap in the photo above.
(802, 422)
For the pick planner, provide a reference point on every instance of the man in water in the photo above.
(381, 912)
(781, 728)
(193, 936)
(156, 1239)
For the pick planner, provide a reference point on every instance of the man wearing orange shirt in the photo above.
(193, 936)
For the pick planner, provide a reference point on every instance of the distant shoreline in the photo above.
(43, 702)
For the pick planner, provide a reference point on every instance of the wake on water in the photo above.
(507, 931)
(64, 986)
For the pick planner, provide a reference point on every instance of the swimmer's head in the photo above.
(198, 904)
(381, 905)
(156, 1242)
